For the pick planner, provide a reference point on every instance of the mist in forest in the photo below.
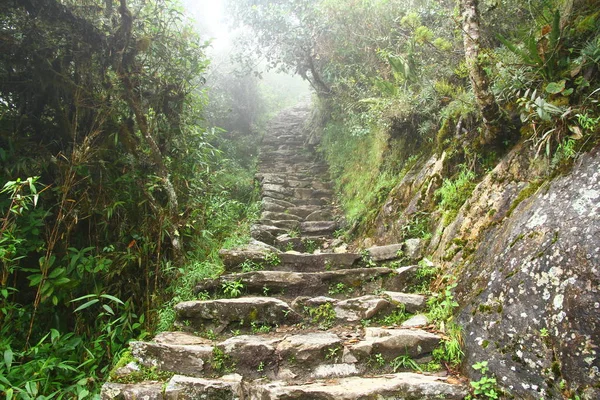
(242, 95)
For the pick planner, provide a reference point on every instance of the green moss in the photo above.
(556, 368)
(397, 317)
(143, 374)
(253, 315)
(485, 308)
(125, 359)
(524, 194)
(444, 134)
(517, 239)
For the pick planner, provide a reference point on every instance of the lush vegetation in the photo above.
(117, 188)
(406, 79)
(116, 193)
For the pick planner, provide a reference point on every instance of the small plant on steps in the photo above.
(232, 289)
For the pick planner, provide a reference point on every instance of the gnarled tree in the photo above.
(486, 101)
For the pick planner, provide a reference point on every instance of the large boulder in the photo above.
(530, 291)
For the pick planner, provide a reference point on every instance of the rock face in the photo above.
(531, 292)
(525, 251)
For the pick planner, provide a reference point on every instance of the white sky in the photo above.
(209, 14)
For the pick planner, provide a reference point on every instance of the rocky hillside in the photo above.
(524, 250)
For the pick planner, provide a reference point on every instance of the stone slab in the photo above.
(189, 388)
(223, 312)
(409, 386)
(385, 253)
(136, 391)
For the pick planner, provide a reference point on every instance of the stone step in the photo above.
(217, 315)
(393, 386)
(318, 172)
(255, 259)
(289, 203)
(405, 385)
(290, 284)
(311, 202)
(272, 210)
(267, 231)
(255, 252)
(299, 356)
(308, 168)
(270, 215)
(273, 203)
(286, 224)
(364, 307)
(391, 343)
(304, 244)
(315, 228)
(411, 249)
(277, 157)
(279, 178)
(229, 387)
(301, 262)
(151, 390)
(282, 192)
(253, 312)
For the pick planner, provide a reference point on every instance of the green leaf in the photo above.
(8, 358)
(34, 279)
(87, 296)
(108, 309)
(113, 298)
(556, 87)
(86, 305)
(61, 281)
(56, 273)
(54, 335)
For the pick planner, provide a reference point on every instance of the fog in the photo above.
(240, 99)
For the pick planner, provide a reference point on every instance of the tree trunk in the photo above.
(485, 98)
(309, 72)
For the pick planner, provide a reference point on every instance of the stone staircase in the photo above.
(296, 326)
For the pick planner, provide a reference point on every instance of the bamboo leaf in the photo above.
(8, 358)
(113, 298)
(86, 305)
(87, 296)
